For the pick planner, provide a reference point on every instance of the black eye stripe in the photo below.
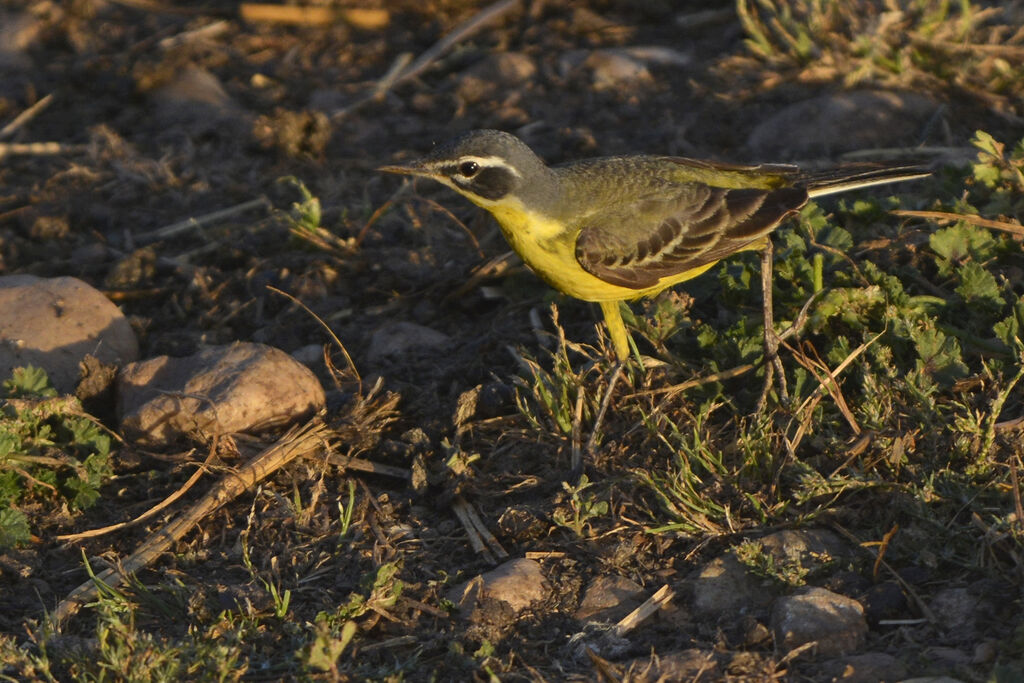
(490, 182)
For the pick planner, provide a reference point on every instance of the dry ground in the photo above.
(147, 149)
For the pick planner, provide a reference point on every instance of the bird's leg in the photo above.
(613, 379)
(620, 341)
(772, 363)
(616, 328)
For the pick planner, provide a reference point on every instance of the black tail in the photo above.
(853, 176)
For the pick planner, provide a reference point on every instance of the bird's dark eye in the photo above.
(468, 169)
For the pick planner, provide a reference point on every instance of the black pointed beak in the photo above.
(412, 168)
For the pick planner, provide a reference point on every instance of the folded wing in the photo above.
(669, 233)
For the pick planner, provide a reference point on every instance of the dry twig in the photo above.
(418, 66)
(298, 442)
(25, 116)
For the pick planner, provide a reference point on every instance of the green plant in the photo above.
(787, 571)
(582, 507)
(49, 448)
(896, 43)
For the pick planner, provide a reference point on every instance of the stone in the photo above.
(309, 355)
(398, 338)
(518, 583)
(808, 547)
(831, 124)
(724, 585)
(494, 76)
(614, 70)
(54, 323)
(219, 390)
(884, 600)
(619, 68)
(835, 622)
(727, 585)
(869, 667)
(957, 610)
(609, 598)
(196, 99)
(685, 665)
(18, 32)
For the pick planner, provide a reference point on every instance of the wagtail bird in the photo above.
(618, 228)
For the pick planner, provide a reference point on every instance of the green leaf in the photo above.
(1010, 330)
(14, 528)
(961, 241)
(987, 144)
(978, 286)
(939, 354)
(852, 306)
(29, 381)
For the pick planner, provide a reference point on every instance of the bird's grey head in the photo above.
(487, 165)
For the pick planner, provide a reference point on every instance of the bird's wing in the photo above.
(670, 232)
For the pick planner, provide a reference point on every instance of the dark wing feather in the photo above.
(638, 244)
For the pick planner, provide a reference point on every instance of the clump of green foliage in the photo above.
(930, 44)
(49, 449)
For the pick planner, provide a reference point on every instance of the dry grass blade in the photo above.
(460, 508)
(907, 588)
(366, 19)
(642, 613)
(882, 547)
(827, 380)
(362, 465)
(298, 442)
(39, 149)
(491, 269)
(1017, 504)
(25, 116)
(807, 407)
(480, 537)
(348, 358)
(699, 381)
(460, 32)
(200, 221)
(169, 500)
(1005, 226)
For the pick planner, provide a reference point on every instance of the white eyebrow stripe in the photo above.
(491, 162)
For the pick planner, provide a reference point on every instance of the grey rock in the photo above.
(957, 610)
(220, 390)
(869, 667)
(397, 338)
(196, 99)
(686, 665)
(808, 547)
(842, 122)
(495, 75)
(609, 598)
(950, 657)
(724, 585)
(613, 70)
(624, 68)
(54, 323)
(309, 355)
(18, 31)
(835, 622)
(518, 583)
